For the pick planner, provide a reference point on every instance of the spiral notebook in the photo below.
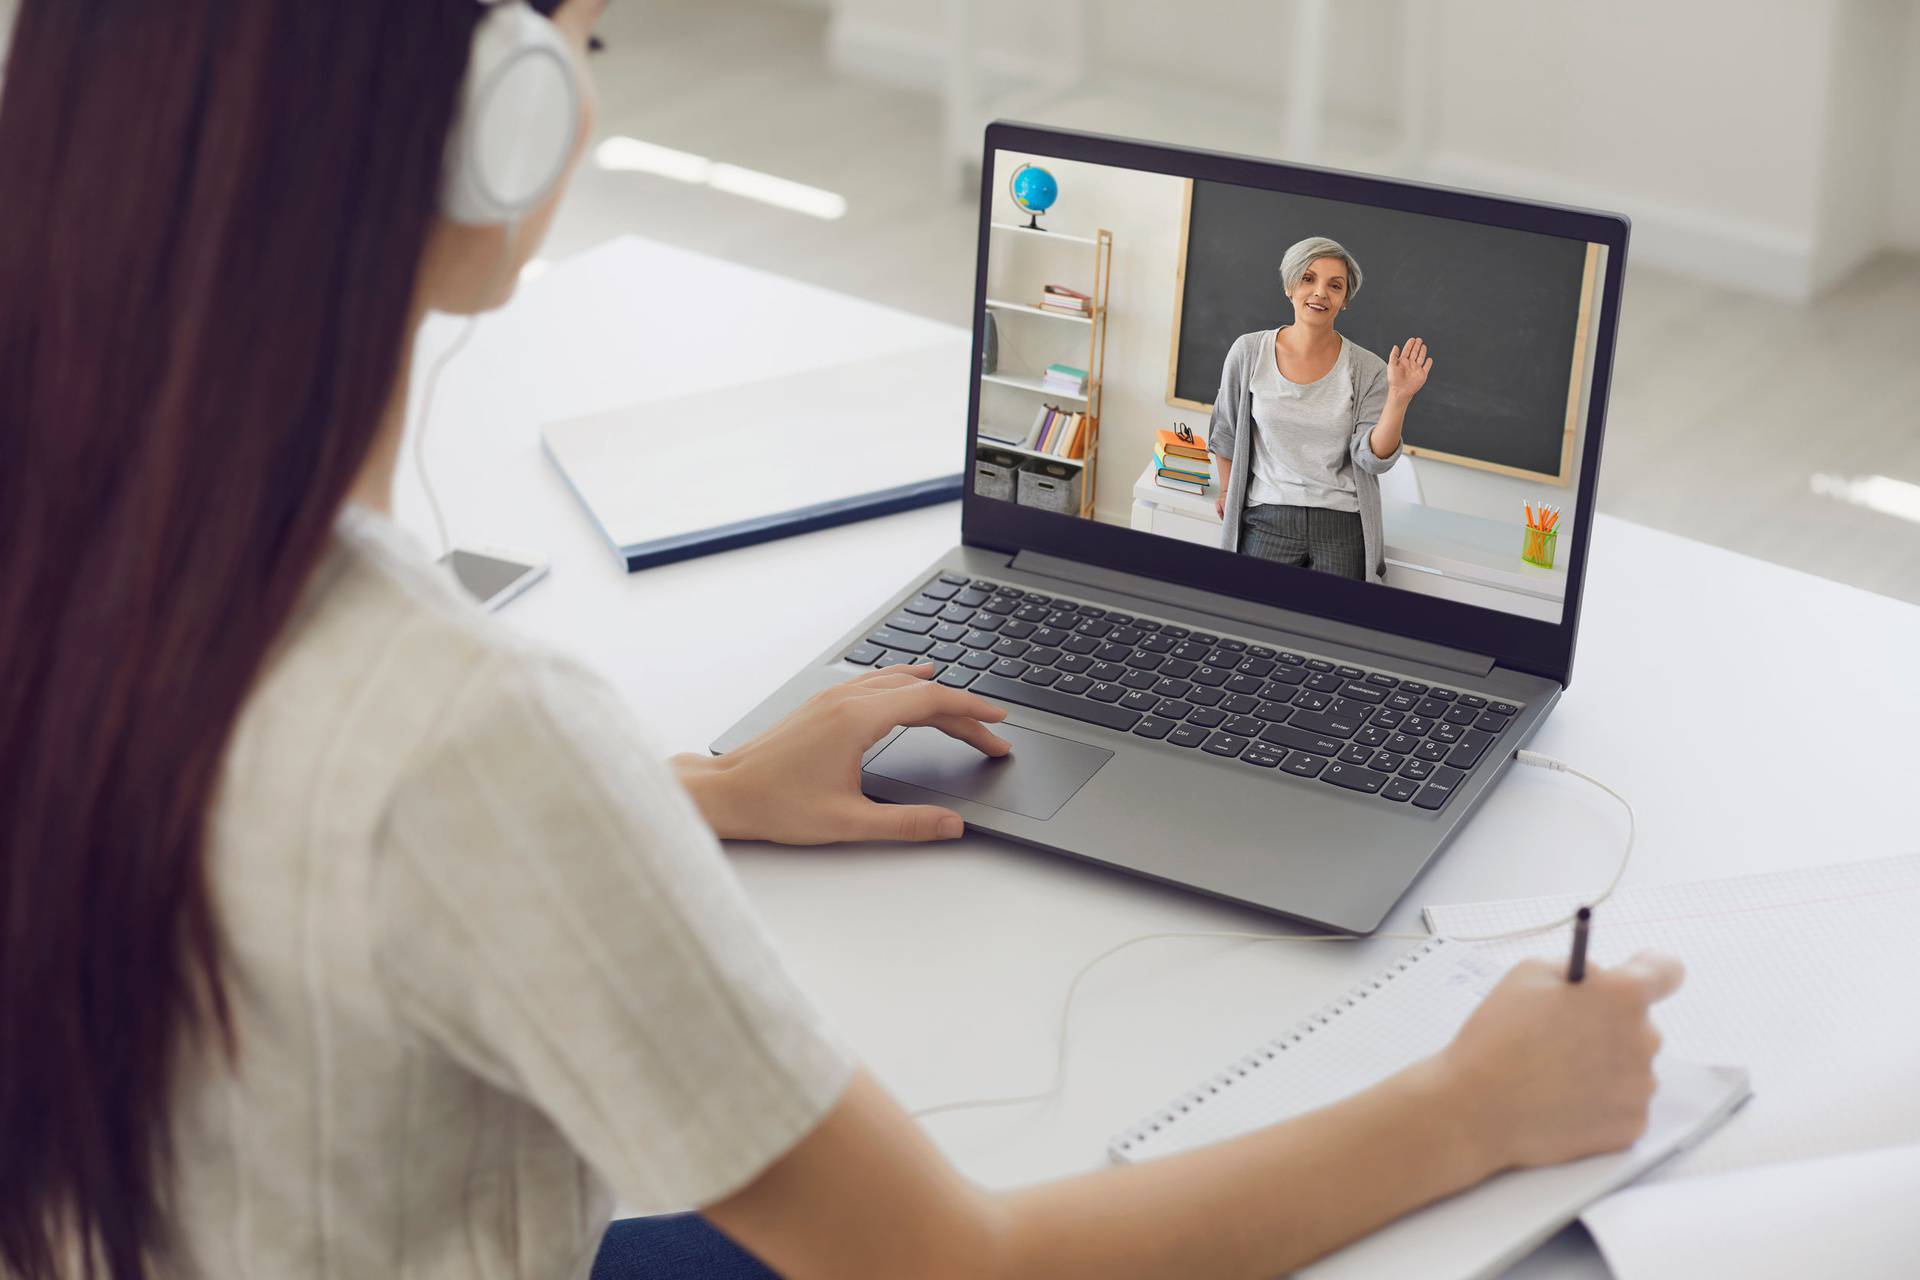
(1402, 1014)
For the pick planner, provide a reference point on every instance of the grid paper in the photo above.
(1803, 977)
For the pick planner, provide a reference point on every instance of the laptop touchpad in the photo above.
(1039, 775)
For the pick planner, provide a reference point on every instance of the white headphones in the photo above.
(517, 118)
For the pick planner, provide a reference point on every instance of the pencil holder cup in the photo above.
(1537, 545)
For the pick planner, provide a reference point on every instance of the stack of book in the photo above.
(1181, 464)
(1057, 297)
(1066, 379)
(1060, 432)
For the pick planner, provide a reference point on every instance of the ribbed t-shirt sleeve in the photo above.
(550, 909)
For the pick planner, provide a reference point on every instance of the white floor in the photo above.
(1726, 407)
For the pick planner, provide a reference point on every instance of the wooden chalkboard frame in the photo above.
(1576, 379)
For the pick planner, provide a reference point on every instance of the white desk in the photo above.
(1758, 722)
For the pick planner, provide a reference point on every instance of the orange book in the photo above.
(1174, 447)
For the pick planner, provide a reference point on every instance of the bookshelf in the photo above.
(1077, 262)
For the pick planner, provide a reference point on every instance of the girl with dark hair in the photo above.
(341, 934)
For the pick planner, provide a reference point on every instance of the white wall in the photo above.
(1771, 145)
(1143, 210)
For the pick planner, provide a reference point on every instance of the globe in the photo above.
(1034, 191)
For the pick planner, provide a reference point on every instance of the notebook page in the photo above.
(1407, 1012)
(1804, 977)
(1846, 1215)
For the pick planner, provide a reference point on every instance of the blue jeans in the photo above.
(678, 1246)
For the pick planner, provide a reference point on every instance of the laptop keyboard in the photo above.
(1371, 732)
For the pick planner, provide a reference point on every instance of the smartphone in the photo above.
(494, 576)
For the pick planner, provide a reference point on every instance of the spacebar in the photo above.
(1061, 704)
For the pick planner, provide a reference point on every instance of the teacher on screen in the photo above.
(1304, 423)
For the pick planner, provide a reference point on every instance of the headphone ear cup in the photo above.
(518, 119)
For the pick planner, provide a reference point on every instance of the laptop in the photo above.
(1267, 719)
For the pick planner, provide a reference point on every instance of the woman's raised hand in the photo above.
(1407, 368)
(799, 782)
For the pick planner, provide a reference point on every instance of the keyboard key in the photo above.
(1416, 769)
(1291, 659)
(1387, 718)
(1226, 659)
(1319, 664)
(1286, 735)
(1032, 613)
(1386, 762)
(1491, 722)
(923, 607)
(1354, 753)
(1505, 708)
(1153, 727)
(1034, 597)
(1334, 726)
(1277, 712)
(1244, 684)
(1402, 701)
(1399, 789)
(956, 613)
(1011, 648)
(1431, 797)
(1094, 627)
(864, 655)
(1139, 679)
(947, 652)
(1204, 696)
(1307, 766)
(892, 639)
(1245, 726)
(1204, 637)
(1126, 635)
(1234, 646)
(1402, 743)
(1260, 651)
(1018, 630)
(1239, 704)
(1430, 751)
(1072, 662)
(1174, 630)
(948, 631)
(1191, 651)
(1365, 693)
(1092, 611)
(1009, 668)
(1103, 670)
(1351, 673)
(1460, 713)
(1073, 683)
(1445, 695)
(956, 677)
(1206, 717)
(957, 579)
(909, 623)
(1172, 709)
(1106, 691)
(1026, 695)
(1307, 700)
(1187, 736)
(972, 597)
(1051, 636)
(1261, 667)
(1146, 624)
(1372, 735)
(1173, 688)
(1014, 593)
(1354, 777)
(1157, 644)
(1325, 682)
(1466, 752)
(1213, 677)
(1430, 707)
(984, 621)
(978, 660)
(1080, 644)
(1178, 668)
(1043, 657)
(984, 585)
(1110, 652)
(1119, 619)
(1445, 777)
(1287, 676)
(1415, 726)
(1384, 681)
(1143, 660)
(1225, 744)
(1473, 700)
(1260, 757)
(1040, 675)
(1448, 733)
(1138, 700)
(1413, 686)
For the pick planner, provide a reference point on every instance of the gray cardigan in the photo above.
(1231, 436)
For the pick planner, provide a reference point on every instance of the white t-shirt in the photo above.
(489, 969)
(1303, 431)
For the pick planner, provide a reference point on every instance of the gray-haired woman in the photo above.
(1304, 423)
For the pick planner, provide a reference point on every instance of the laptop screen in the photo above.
(1391, 397)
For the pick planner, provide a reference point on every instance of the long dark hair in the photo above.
(214, 213)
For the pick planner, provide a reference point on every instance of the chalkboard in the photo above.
(1504, 314)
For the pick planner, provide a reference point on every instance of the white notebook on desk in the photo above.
(1406, 1012)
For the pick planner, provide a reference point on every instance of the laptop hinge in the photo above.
(1303, 625)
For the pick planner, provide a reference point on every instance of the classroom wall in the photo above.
(1143, 212)
(1903, 140)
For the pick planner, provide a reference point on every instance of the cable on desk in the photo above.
(1533, 758)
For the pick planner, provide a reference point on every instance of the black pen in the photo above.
(1577, 966)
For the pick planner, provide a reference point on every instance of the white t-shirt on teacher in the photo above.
(489, 970)
(1302, 434)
